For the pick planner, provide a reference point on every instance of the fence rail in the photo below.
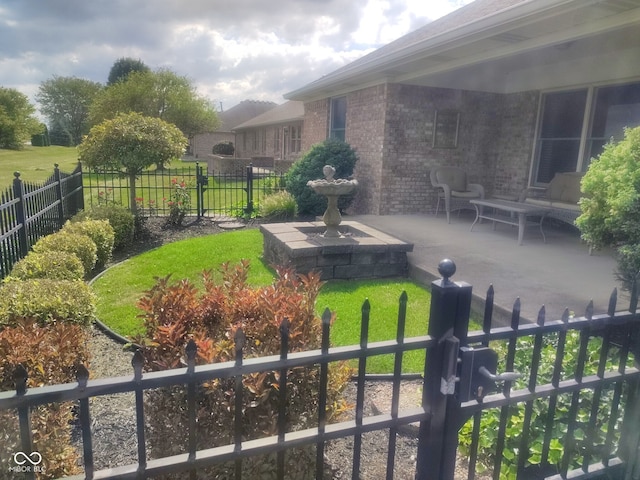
(454, 391)
(29, 211)
(210, 193)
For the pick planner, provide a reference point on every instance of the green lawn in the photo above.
(119, 289)
(35, 163)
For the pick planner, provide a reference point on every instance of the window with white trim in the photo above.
(575, 125)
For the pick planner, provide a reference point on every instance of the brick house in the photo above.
(276, 133)
(200, 145)
(514, 91)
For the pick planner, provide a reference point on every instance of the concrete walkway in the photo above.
(558, 274)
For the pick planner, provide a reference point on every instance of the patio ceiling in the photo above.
(532, 45)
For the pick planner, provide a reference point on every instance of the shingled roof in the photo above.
(242, 112)
(287, 112)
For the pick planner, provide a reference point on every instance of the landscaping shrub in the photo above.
(175, 312)
(120, 218)
(223, 148)
(179, 202)
(50, 355)
(102, 234)
(537, 430)
(278, 207)
(80, 245)
(331, 152)
(60, 266)
(46, 301)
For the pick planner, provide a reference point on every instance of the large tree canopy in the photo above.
(17, 120)
(65, 101)
(130, 143)
(123, 67)
(161, 94)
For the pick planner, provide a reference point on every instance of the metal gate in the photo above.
(555, 399)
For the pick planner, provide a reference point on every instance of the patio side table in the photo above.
(510, 213)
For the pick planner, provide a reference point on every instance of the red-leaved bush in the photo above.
(50, 355)
(176, 312)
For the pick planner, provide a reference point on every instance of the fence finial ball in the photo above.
(446, 268)
(16, 174)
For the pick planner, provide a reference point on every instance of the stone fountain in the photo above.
(332, 189)
(332, 247)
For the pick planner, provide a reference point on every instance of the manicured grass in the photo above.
(346, 298)
(35, 163)
(122, 286)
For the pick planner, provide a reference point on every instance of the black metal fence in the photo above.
(29, 211)
(205, 193)
(460, 380)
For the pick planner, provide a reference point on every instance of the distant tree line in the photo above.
(72, 106)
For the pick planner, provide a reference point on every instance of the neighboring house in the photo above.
(200, 145)
(514, 91)
(276, 133)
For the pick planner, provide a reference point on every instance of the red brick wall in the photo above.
(391, 128)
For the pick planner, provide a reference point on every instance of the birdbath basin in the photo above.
(332, 189)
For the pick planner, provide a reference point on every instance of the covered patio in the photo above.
(558, 274)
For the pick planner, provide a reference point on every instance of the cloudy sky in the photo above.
(232, 50)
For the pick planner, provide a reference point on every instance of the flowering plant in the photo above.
(179, 202)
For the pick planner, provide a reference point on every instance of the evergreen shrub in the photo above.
(46, 301)
(336, 153)
(58, 266)
(223, 148)
(102, 234)
(80, 245)
(121, 219)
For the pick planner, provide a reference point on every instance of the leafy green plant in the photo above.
(179, 202)
(61, 266)
(46, 301)
(120, 218)
(585, 440)
(50, 355)
(278, 207)
(80, 245)
(610, 206)
(102, 234)
(331, 152)
(223, 148)
(176, 312)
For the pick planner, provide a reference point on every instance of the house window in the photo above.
(575, 126)
(296, 139)
(338, 118)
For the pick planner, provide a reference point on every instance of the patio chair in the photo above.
(452, 187)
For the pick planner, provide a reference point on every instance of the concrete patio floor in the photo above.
(558, 274)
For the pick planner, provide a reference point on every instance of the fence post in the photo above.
(79, 205)
(59, 197)
(249, 189)
(448, 323)
(21, 218)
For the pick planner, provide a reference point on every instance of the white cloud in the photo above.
(241, 51)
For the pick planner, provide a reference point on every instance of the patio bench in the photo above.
(561, 197)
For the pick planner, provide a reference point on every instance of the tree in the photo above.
(123, 67)
(130, 143)
(610, 207)
(161, 94)
(17, 120)
(65, 101)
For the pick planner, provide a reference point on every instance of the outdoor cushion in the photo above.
(455, 178)
(565, 187)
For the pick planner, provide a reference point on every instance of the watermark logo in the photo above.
(27, 463)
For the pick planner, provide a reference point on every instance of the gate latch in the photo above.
(477, 375)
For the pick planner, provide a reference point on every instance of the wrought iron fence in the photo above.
(208, 193)
(460, 380)
(29, 211)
